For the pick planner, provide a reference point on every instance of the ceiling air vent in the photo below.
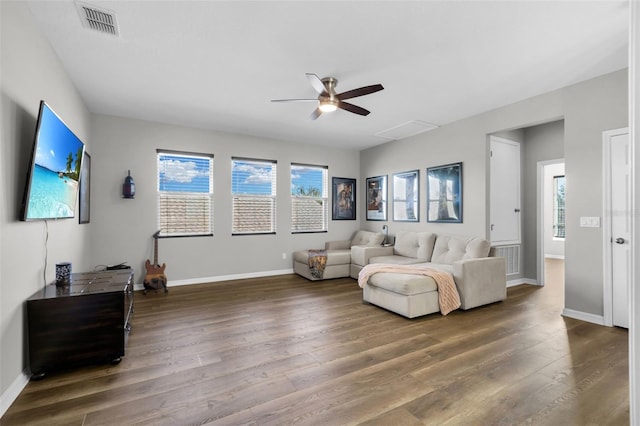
(407, 129)
(97, 19)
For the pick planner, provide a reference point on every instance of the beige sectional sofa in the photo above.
(479, 278)
(338, 261)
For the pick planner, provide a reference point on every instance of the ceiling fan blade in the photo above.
(366, 90)
(294, 100)
(317, 84)
(315, 114)
(353, 108)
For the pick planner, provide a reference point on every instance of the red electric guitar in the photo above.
(155, 277)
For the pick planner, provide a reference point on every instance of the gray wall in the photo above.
(122, 228)
(30, 72)
(591, 107)
(588, 109)
(541, 143)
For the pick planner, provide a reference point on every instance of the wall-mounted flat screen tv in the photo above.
(51, 191)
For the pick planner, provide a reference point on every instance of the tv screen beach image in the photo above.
(56, 170)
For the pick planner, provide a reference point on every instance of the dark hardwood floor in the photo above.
(283, 350)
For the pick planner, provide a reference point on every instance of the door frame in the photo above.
(607, 287)
(540, 217)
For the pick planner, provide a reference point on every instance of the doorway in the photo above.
(551, 217)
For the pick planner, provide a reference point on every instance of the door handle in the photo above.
(619, 240)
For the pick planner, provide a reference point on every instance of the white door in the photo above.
(504, 189)
(620, 227)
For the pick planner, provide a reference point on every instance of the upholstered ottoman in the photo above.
(338, 264)
(405, 294)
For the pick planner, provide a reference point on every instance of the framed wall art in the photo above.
(344, 198)
(444, 193)
(406, 196)
(377, 198)
(85, 190)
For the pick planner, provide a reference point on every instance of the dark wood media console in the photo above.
(83, 323)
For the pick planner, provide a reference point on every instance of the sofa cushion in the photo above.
(334, 257)
(407, 284)
(367, 238)
(449, 249)
(394, 259)
(418, 245)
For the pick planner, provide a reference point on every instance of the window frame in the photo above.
(209, 196)
(238, 196)
(323, 198)
(559, 222)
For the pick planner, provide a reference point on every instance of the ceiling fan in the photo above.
(328, 100)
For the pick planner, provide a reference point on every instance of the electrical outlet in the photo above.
(284, 256)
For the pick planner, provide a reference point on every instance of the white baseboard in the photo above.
(518, 281)
(583, 316)
(9, 396)
(554, 256)
(203, 280)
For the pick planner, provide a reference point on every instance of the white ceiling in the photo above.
(217, 64)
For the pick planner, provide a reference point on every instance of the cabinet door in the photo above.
(72, 331)
(504, 191)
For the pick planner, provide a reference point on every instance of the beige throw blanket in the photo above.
(448, 297)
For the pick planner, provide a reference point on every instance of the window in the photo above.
(309, 198)
(558, 206)
(253, 188)
(185, 193)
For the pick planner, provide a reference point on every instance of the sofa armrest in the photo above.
(337, 245)
(360, 255)
(480, 281)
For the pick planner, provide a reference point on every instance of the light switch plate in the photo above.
(589, 222)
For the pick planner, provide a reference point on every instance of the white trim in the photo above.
(634, 122)
(583, 316)
(204, 280)
(13, 391)
(540, 216)
(519, 281)
(554, 256)
(607, 285)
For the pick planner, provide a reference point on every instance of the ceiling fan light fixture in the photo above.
(328, 105)
(329, 101)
